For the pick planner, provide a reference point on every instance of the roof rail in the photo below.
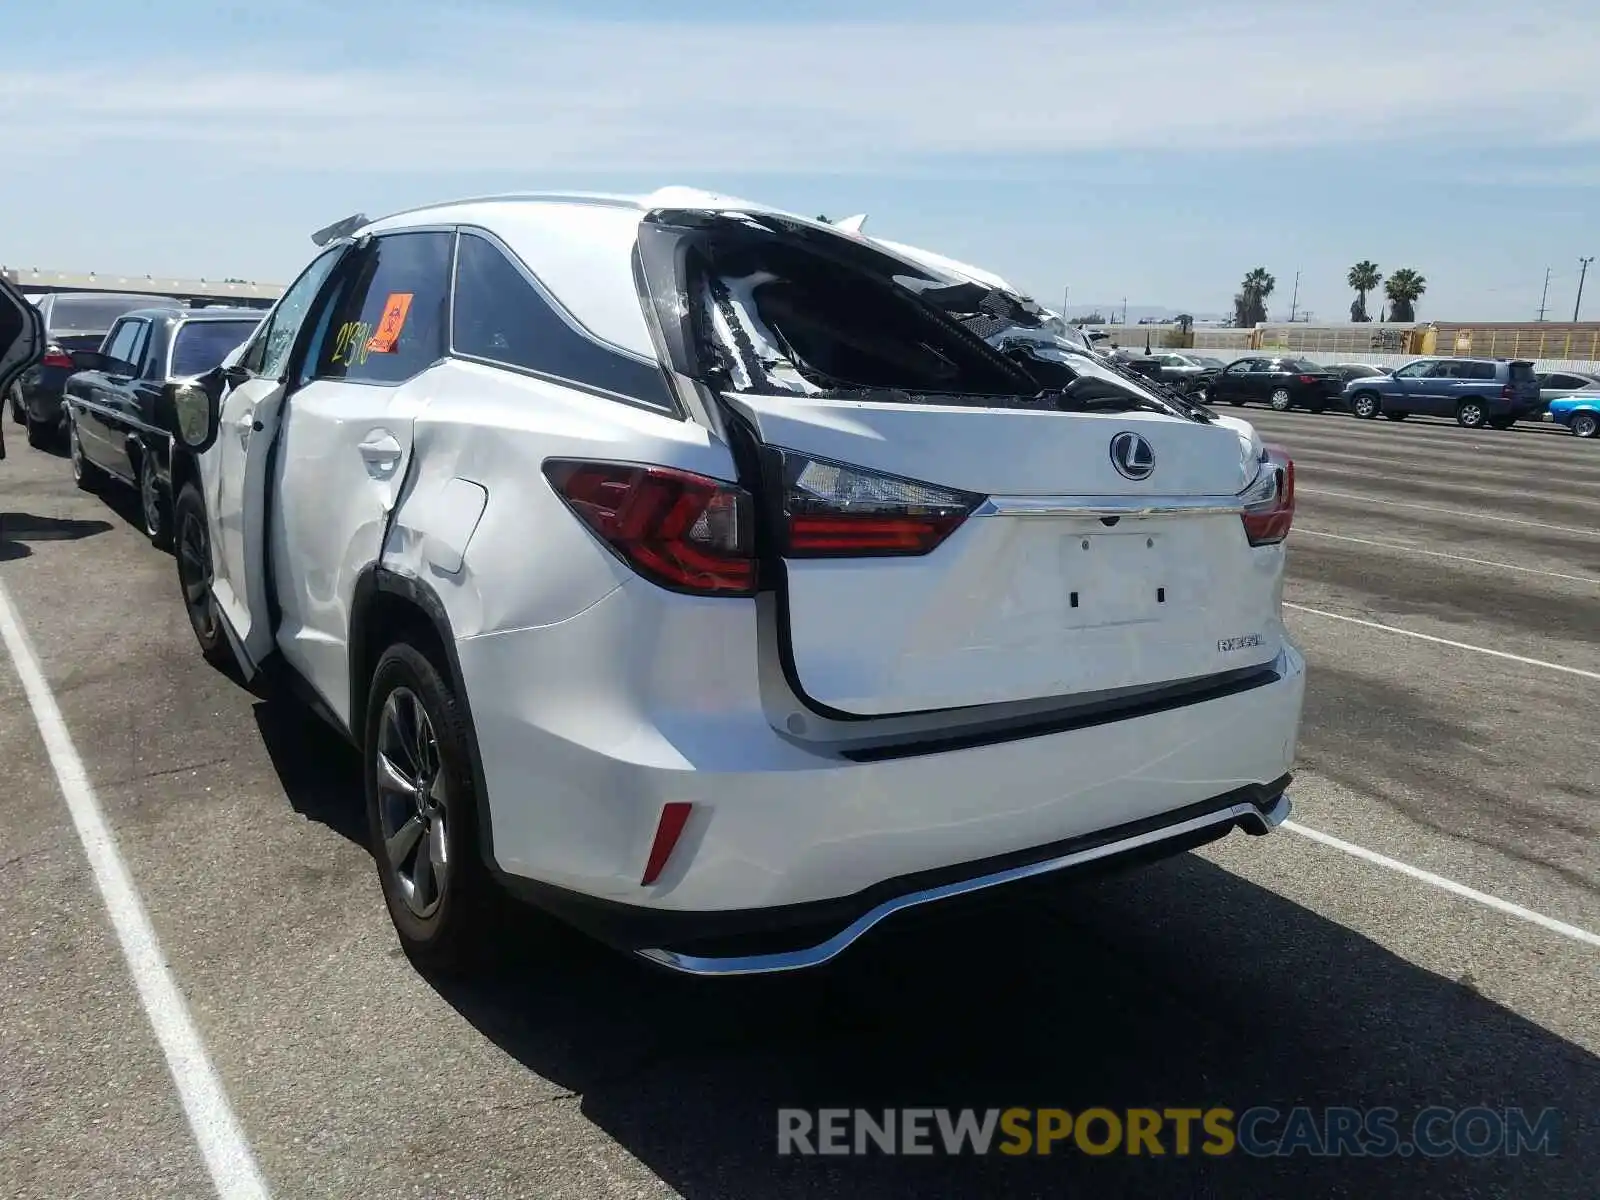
(605, 199)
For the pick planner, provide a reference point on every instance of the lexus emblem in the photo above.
(1132, 456)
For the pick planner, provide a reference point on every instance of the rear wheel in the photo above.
(422, 811)
(39, 432)
(1280, 400)
(155, 511)
(1470, 415)
(194, 577)
(1365, 405)
(84, 473)
(1585, 424)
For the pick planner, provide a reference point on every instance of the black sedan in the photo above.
(72, 321)
(1279, 383)
(117, 428)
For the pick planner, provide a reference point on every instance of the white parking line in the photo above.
(1428, 637)
(1448, 885)
(1376, 503)
(1482, 562)
(221, 1140)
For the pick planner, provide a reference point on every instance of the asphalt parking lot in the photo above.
(1446, 587)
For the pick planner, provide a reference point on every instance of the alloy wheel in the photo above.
(194, 565)
(1585, 424)
(1280, 400)
(1471, 416)
(75, 451)
(413, 808)
(149, 497)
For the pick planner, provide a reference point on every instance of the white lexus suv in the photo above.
(724, 582)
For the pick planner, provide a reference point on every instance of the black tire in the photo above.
(1584, 424)
(194, 580)
(1395, 416)
(440, 916)
(155, 504)
(84, 473)
(1365, 405)
(1470, 415)
(40, 434)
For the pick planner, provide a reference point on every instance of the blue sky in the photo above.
(1145, 150)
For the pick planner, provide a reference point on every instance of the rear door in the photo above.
(235, 467)
(345, 442)
(952, 551)
(22, 340)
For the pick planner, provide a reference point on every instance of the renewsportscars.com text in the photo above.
(1260, 1132)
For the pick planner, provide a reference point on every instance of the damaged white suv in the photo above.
(724, 582)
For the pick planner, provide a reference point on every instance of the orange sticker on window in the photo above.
(395, 309)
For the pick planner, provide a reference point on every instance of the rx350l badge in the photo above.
(1132, 456)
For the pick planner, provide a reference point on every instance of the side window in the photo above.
(269, 353)
(501, 317)
(141, 345)
(1479, 370)
(1415, 370)
(122, 341)
(1563, 381)
(387, 322)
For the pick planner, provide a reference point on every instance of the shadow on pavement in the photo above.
(1181, 986)
(19, 529)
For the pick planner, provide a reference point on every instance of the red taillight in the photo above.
(681, 530)
(1269, 502)
(831, 510)
(55, 356)
(1308, 379)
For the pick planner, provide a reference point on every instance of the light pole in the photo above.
(1583, 269)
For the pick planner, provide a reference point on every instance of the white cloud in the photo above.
(489, 91)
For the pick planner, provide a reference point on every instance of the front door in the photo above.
(237, 486)
(345, 443)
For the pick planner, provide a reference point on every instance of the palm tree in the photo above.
(1364, 278)
(1250, 304)
(1404, 288)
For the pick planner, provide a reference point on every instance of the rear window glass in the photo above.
(201, 345)
(72, 314)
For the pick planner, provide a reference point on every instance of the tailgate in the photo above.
(1069, 578)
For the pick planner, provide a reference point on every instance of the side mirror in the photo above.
(192, 409)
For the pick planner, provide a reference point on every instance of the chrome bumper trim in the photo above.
(1247, 816)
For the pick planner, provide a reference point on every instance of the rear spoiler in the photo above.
(339, 229)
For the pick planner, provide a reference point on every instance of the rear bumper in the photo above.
(587, 728)
(797, 937)
(43, 395)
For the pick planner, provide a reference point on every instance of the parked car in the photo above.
(1556, 385)
(1280, 383)
(118, 418)
(1350, 371)
(22, 340)
(1496, 392)
(72, 321)
(715, 580)
(1186, 371)
(1580, 413)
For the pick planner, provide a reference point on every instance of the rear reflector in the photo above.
(831, 510)
(683, 531)
(668, 830)
(1269, 502)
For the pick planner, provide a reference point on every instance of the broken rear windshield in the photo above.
(757, 304)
